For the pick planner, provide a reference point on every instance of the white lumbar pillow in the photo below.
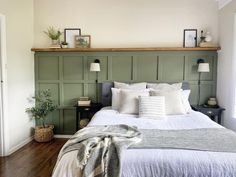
(164, 86)
(135, 86)
(173, 101)
(129, 100)
(152, 107)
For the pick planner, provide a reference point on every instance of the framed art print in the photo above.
(83, 41)
(190, 38)
(69, 36)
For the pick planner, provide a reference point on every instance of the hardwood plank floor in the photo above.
(32, 160)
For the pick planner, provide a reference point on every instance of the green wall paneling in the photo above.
(171, 68)
(67, 75)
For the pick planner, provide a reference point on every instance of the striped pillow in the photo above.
(152, 107)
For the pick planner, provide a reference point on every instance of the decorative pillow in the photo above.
(165, 86)
(129, 100)
(152, 107)
(173, 101)
(185, 100)
(135, 86)
(115, 101)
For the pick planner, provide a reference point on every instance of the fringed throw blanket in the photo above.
(100, 148)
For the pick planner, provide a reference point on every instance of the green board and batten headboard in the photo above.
(67, 74)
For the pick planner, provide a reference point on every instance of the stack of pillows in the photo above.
(150, 100)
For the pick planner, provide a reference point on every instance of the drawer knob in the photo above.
(209, 112)
(86, 109)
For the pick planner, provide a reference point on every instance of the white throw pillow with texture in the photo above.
(152, 107)
(134, 86)
(115, 101)
(129, 100)
(164, 86)
(173, 101)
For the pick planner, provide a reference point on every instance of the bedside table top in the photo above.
(92, 105)
(201, 107)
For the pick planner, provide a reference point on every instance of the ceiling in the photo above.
(222, 3)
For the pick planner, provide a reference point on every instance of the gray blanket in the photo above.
(100, 147)
(205, 139)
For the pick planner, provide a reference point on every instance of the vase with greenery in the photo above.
(54, 35)
(43, 106)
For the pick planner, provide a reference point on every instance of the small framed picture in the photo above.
(69, 36)
(190, 38)
(82, 41)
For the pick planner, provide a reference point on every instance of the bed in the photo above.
(158, 162)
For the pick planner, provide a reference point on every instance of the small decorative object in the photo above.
(64, 45)
(54, 35)
(84, 122)
(207, 40)
(202, 68)
(43, 106)
(208, 37)
(84, 101)
(212, 101)
(190, 38)
(202, 38)
(95, 67)
(82, 41)
(69, 36)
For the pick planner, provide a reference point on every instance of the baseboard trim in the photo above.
(63, 136)
(20, 145)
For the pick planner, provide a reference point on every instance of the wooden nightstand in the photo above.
(86, 112)
(213, 113)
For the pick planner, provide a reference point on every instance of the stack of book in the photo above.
(84, 101)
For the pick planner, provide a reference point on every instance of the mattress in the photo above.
(160, 162)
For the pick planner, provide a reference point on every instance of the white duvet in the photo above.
(160, 162)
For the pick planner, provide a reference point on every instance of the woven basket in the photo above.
(43, 134)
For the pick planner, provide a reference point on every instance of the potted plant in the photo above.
(64, 45)
(43, 106)
(54, 35)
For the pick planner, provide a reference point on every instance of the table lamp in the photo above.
(95, 67)
(202, 68)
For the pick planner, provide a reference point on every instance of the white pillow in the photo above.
(129, 100)
(115, 101)
(165, 86)
(152, 107)
(135, 86)
(185, 100)
(173, 101)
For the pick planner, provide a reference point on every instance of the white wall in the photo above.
(20, 68)
(133, 23)
(225, 63)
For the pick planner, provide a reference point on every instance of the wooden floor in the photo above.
(33, 160)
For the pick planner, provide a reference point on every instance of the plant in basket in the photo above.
(43, 106)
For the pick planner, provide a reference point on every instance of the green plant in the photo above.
(52, 33)
(43, 106)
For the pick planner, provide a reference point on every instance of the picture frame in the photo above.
(82, 41)
(190, 38)
(69, 36)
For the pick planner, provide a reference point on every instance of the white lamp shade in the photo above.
(203, 68)
(95, 67)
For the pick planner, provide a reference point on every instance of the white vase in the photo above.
(208, 37)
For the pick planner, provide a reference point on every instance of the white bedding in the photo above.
(160, 162)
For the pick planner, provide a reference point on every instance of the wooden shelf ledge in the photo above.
(125, 49)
